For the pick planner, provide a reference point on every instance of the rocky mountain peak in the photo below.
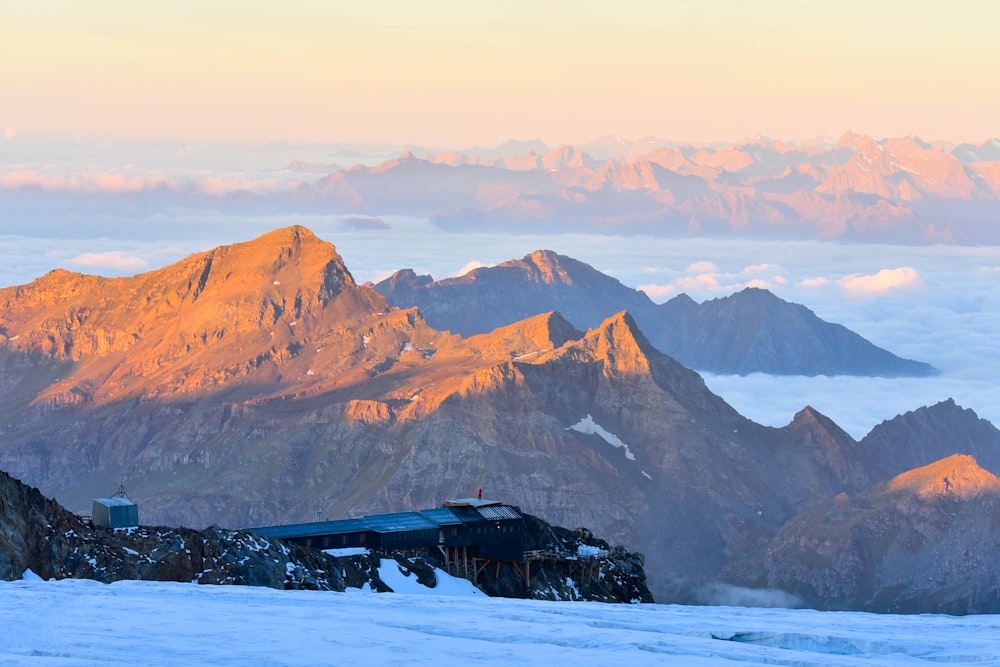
(920, 437)
(620, 344)
(810, 417)
(404, 280)
(957, 476)
(294, 254)
(527, 338)
(755, 297)
(219, 315)
(544, 266)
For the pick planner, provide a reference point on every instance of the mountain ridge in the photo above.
(749, 331)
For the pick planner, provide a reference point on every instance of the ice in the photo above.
(587, 550)
(389, 571)
(79, 622)
(347, 551)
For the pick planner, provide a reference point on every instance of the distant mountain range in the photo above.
(752, 331)
(857, 188)
(256, 383)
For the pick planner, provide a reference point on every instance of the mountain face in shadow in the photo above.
(752, 331)
(257, 383)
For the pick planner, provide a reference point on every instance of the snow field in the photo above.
(84, 623)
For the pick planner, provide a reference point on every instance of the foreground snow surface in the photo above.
(76, 622)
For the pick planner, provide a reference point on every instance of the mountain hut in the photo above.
(115, 512)
(486, 528)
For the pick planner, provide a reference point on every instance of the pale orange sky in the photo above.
(455, 74)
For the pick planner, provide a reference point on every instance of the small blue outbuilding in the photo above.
(118, 511)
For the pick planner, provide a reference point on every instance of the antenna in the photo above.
(319, 515)
(121, 490)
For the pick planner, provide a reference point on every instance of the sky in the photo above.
(85, 623)
(448, 74)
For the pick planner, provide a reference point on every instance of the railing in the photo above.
(547, 554)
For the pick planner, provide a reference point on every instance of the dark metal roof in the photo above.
(115, 501)
(314, 528)
(443, 516)
(431, 519)
(392, 523)
(498, 512)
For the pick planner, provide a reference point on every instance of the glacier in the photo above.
(85, 623)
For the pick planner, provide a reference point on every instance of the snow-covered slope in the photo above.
(80, 623)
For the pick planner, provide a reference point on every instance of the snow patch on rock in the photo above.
(588, 426)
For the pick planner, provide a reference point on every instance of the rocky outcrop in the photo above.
(564, 565)
(39, 535)
(752, 331)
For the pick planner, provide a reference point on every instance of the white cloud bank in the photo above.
(886, 280)
(470, 266)
(705, 276)
(114, 260)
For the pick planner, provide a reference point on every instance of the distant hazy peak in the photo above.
(544, 266)
(946, 411)
(403, 280)
(853, 140)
